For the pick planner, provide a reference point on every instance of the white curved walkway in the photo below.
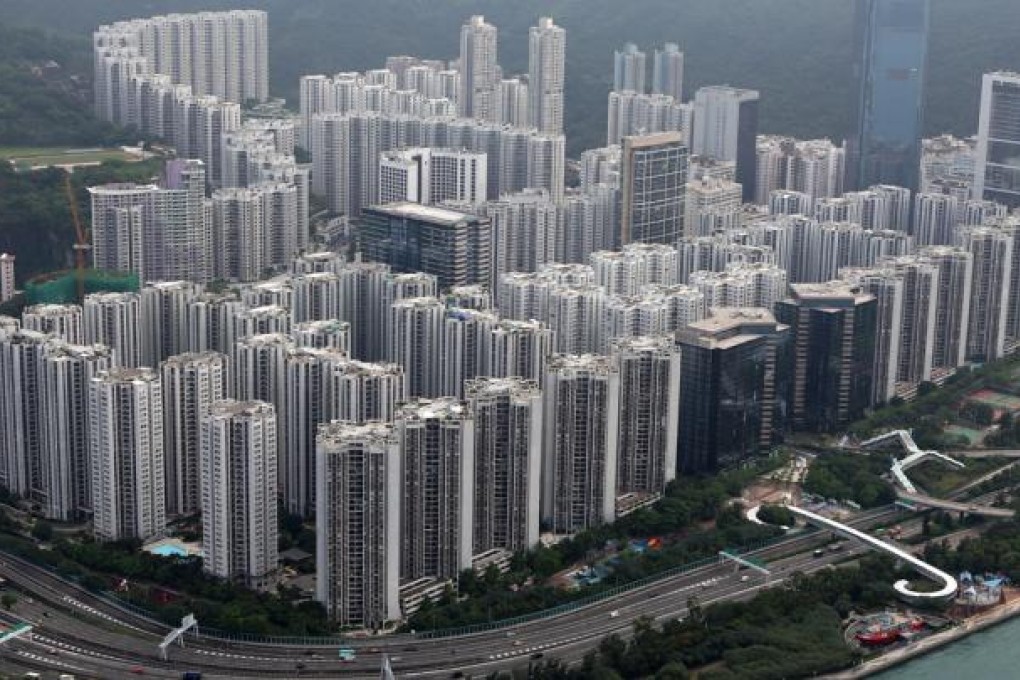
(902, 588)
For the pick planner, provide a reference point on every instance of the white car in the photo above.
(744, 578)
(613, 614)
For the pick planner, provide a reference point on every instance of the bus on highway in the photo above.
(346, 654)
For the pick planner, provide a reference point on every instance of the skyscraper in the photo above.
(60, 321)
(126, 450)
(508, 462)
(668, 71)
(238, 481)
(437, 443)
(992, 254)
(6, 276)
(952, 315)
(890, 49)
(432, 176)
(833, 327)
(158, 232)
(64, 376)
(165, 319)
(191, 384)
(479, 70)
(115, 320)
(629, 69)
(996, 170)
(730, 388)
(357, 522)
(726, 129)
(649, 374)
(654, 182)
(415, 342)
(546, 68)
(581, 398)
(21, 441)
(453, 246)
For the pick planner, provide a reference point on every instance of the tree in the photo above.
(42, 531)
(673, 671)
(8, 600)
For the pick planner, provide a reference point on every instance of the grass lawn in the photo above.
(940, 480)
(29, 157)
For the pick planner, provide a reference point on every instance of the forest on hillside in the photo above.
(795, 52)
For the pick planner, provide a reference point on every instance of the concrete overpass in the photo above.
(948, 585)
(986, 453)
(954, 506)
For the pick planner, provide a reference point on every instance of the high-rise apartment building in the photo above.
(726, 128)
(935, 219)
(887, 286)
(947, 161)
(437, 455)
(547, 48)
(453, 246)
(649, 402)
(991, 251)
(433, 176)
(238, 480)
(890, 48)
(952, 315)
(64, 375)
(525, 231)
(833, 327)
(465, 338)
(165, 319)
(508, 462)
(324, 334)
(518, 349)
(996, 176)
(628, 271)
(21, 440)
(668, 71)
(158, 232)
(115, 320)
(60, 321)
(731, 388)
(6, 276)
(191, 384)
(415, 341)
(654, 182)
(126, 453)
(635, 113)
(258, 369)
(712, 205)
(515, 102)
(357, 522)
(629, 69)
(212, 53)
(581, 398)
(479, 70)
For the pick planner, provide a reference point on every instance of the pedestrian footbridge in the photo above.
(947, 584)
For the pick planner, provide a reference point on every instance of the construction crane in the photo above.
(82, 245)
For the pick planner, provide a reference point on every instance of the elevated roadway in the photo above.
(954, 506)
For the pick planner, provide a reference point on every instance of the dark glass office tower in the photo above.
(890, 48)
(732, 388)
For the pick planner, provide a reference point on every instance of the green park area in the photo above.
(27, 158)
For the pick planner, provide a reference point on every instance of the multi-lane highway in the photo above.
(80, 634)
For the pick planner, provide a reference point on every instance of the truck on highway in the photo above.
(346, 654)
